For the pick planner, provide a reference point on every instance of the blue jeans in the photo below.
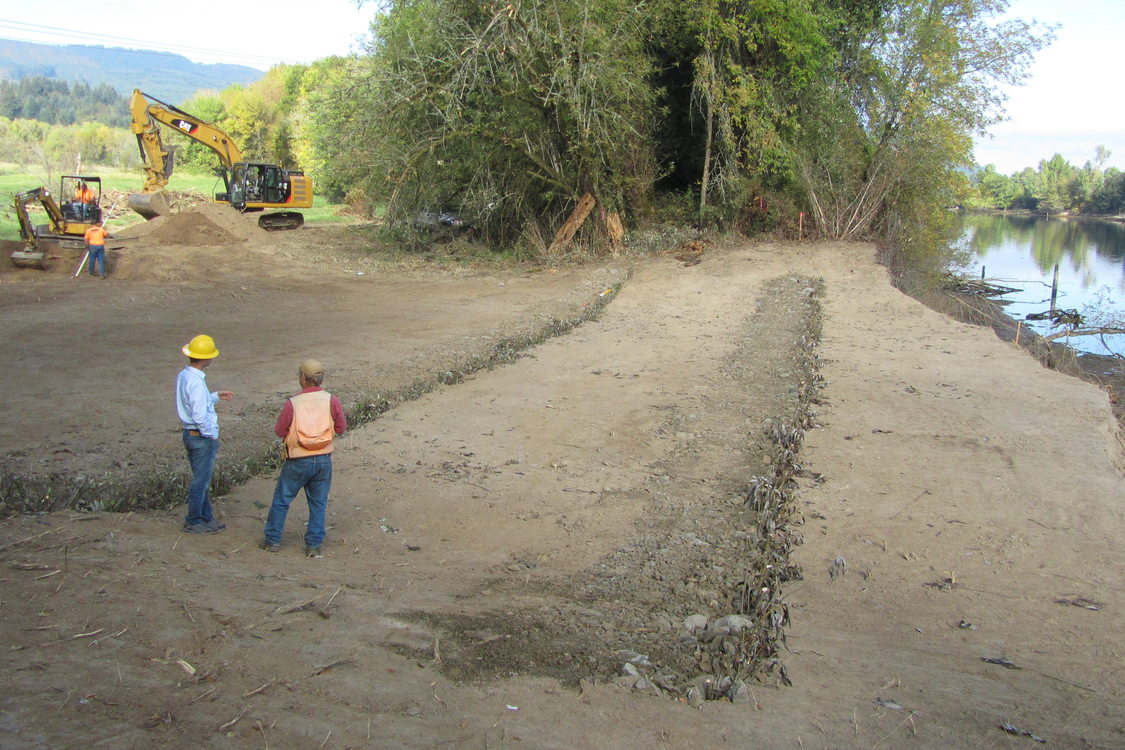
(313, 474)
(201, 452)
(97, 255)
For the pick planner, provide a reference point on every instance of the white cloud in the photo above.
(1070, 105)
(244, 33)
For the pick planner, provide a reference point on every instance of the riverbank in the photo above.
(498, 544)
(1104, 372)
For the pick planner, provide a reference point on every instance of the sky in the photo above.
(1070, 105)
(242, 32)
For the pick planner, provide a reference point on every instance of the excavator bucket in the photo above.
(29, 258)
(150, 205)
(36, 253)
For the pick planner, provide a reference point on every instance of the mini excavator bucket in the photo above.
(29, 257)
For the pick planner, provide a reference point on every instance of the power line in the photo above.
(56, 32)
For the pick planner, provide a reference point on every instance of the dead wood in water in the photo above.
(964, 285)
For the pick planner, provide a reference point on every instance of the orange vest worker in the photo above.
(95, 235)
(312, 428)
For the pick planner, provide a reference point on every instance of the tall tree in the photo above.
(509, 112)
(884, 139)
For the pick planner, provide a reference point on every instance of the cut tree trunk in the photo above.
(615, 230)
(572, 224)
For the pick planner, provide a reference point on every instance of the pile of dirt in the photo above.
(200, 225)
(191, 229)
(188, 245)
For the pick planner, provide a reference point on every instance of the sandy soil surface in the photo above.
(541, 554)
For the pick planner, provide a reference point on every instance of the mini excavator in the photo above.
(77, 208)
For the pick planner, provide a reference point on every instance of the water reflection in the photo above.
(1022, 251)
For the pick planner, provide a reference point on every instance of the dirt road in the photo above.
(501, 548)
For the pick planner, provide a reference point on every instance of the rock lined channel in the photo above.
(691, 605)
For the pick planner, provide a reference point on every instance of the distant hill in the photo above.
(169, 77)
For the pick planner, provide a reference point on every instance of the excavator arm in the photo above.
(42, 196)
(148, 114)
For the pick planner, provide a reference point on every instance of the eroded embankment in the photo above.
(162, 484)
(691, 604)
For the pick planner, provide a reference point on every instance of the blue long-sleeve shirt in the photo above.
(195, 404)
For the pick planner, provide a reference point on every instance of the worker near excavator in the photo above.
(95, 238)
(195, 406)
(308, 423)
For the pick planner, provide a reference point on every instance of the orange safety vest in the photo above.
(85, 195)
(312, 429)
(95, 235)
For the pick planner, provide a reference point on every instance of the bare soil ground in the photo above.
(501, 547)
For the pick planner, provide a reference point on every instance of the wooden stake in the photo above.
(1054, 287)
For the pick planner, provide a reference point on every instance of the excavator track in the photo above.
(281, 220)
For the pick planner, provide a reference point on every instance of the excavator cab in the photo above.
(80, 199)
(253, 186)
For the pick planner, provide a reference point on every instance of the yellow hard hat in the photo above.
(201, 347)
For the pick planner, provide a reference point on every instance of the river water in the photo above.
(1022, 252)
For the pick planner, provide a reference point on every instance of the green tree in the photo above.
(1109, 198)
(509, 112)
(191, 155)
(1055, 189)
(336, 163)
(996, 190)
(884, 139)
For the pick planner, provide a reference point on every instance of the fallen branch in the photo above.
(24, 541)
(577, 217)
(260, 689)
(234, 721)
(965, 285)
(1085, 332)
(202, 695)
(337, 663)
(324, 610)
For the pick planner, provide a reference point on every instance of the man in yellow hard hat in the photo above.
(196, 408)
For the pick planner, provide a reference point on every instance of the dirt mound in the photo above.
(242, 227)
(201, 225)
(190, 229)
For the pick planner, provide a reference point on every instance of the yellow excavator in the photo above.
(249, 186)
(77, 209)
